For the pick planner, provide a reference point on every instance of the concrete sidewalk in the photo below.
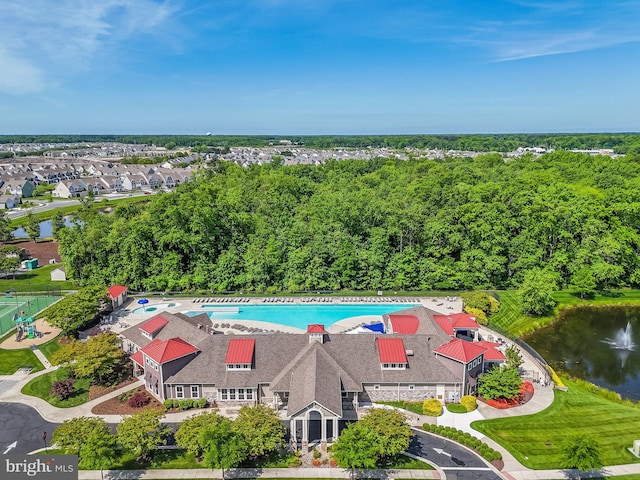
(315, 473)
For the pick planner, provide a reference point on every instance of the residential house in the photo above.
(69, 189)
(9, 201)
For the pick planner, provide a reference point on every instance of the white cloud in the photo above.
(19, 76)
(65, 35)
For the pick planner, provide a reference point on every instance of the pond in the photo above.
(46, 228)
(598, 344)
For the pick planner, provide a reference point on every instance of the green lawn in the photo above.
(41, 387)
(11, 360)
(511, 318)
(49, 348)
(408, 463)
(536, 440)
(415, 407)
(38, 280)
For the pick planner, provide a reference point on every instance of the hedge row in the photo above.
(464, 438)
(185, 404)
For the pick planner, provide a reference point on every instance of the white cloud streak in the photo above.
(39, 38)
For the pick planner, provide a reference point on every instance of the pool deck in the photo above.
(124, 318)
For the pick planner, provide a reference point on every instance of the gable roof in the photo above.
(116, 290)
(406, 324)
(491, 353)
(315, 328)
(154, 324)
(456, 321)
(177, 327)
(391, 350)
(460, 350)
(163, 351)
(240, 350)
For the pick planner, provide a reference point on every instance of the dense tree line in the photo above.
(458, 223)
(620, 142)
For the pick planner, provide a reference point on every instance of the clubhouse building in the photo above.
(313, 379)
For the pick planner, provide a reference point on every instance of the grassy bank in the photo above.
(37, 280)
(536, 440)
(41, 387)
(511, 318)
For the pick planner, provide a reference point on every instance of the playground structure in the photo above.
(26, 328)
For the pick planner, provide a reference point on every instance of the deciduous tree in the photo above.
(582, 452)
(224, 448)
(72, 434)
(142, 433)
(500, 382)
(261, 427)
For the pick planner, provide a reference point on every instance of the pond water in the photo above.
(598, 344)
(46, 228)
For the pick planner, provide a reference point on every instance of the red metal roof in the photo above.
(391, 350)
(315, 328)
(406, 324)
(456, 321)
(166, 350)
(492, 353)
(154, 324)
(445, 324)
(116, 290)
(240, 350)
(137, 357)
(460, 350)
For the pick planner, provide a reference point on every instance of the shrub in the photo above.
(139, 399)
(63, 389)
(469, 402)
(316, 453)
(295, 461)
(185, 404)
(333, 463)
(168, 403)
(316, 462)
(481, 317)
(201, 402)
(123, 397)
(432, 407)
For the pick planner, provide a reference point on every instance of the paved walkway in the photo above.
(256, 473)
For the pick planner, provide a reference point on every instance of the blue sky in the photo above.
(319, 66)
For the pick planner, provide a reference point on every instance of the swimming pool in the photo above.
(300, 316)
(153, 308)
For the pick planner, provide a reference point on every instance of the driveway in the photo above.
(458, 463)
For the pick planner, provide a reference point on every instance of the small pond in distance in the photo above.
(598, 344)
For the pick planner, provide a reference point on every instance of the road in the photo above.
(457, 462)
(21, 429)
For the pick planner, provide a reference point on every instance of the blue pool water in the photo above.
(153, 308)
(301, 315)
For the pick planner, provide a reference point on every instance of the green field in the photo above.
(41, 387)
(38, 280)
(12, 360)
(511, 318)
(536, 440)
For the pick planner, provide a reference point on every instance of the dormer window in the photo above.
(392, 354)
(240, 354)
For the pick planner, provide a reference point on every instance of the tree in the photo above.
(358, 446)
(514, 359)
(142, 433)
(583, 283)
(99, 451)
(33, 226)
(63, 389)
(76, 309)
(582, 452)
(72, 434)
(224, 448)
(6, 232)
(9, 259)
(536, 292)
(261, 427)
(188, 435)
(99, 358)
(394, 434)
(57, 224)
(500, 382)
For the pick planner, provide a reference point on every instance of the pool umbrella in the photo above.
(143, 302)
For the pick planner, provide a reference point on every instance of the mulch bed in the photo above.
(526, 393)
(114, 406)
(499, 464)
(96, 391)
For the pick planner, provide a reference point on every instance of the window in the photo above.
(394, 366)
(469, 366)
(238, 366)
(195, 391)
(345, 395)
(412, 387)
(179, 391)
(235, 393)
(376, 387)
